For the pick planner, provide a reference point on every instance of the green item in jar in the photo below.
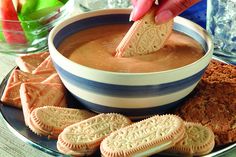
(42, 4)
(42, 12)
(64, 1)
(1, 34)
(28, 7)
(33, 28)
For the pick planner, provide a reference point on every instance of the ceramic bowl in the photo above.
(132, 94)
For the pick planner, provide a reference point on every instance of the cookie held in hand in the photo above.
(144, 37)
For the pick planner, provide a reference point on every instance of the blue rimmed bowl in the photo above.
(132, 94)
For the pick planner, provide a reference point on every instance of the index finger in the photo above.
(141, 7)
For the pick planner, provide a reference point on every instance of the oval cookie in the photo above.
(84, 138)
(50, 120)
(198, 140)
(144, 138)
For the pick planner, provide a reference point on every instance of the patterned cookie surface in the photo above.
(198, 140)
(53, 78)
(51, 120)
(35, 95)
(29, 62)
(85, 136)
(144, 138)
(144, 36)
(11, 94)
(45, 68)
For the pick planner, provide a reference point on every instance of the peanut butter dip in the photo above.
(95, 48)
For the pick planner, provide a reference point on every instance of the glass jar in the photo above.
(221, 24)
(32, 37)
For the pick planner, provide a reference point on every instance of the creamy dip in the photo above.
(95, 48)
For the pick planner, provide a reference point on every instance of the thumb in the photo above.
(168, 9)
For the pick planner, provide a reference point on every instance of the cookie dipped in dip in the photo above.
(96, 49)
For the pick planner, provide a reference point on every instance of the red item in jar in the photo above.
(11, 26)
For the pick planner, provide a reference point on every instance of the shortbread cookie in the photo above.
(84, 138)
(144, 37)
(11, 94)
(198, 140)
(35, 95)
(29, 62)
(144, 138)
(45, 68)
(50, 120)
(53, 78)
(213, 102)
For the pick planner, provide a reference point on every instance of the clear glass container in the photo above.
(35, 31)
(221, 24)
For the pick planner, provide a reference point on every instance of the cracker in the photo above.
(45, 68)
(35, 95)
(144, 37)
(144, 138)
(29, 62)
(198, 140)
(11, 94)
(53, 78)
(51, 120)
(85, 137)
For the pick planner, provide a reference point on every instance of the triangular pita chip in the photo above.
(45, 68)
(29, 62)
(11, 94)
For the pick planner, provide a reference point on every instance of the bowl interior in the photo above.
(81, 23)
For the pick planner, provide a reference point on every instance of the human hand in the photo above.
(166, 9)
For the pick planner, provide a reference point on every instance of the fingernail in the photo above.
(163, 16)
(131, 16)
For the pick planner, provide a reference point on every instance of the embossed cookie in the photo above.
(11, 94)
(144, 138)
(29, 62)
(84, 138)
(198, 140)
(45, 68)
(35, 95)
(50, 120)
(144, 37)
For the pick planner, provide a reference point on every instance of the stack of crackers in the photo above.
(34, 84)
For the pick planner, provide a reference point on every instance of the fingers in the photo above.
(168, 9)
(134, 2)
(141, 7)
